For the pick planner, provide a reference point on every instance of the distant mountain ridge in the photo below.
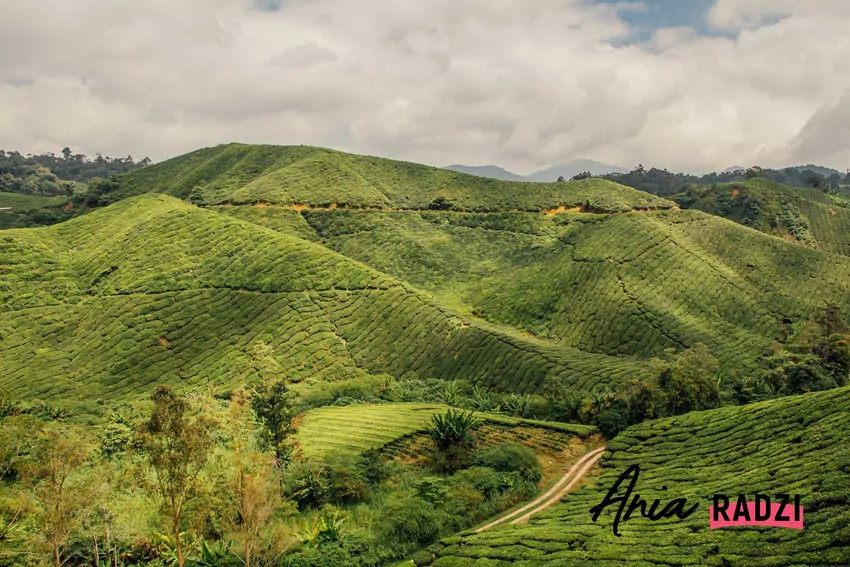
(490, 171)
(548, 175)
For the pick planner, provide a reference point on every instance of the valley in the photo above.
(411, 363)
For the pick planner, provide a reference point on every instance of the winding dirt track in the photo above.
(553, 495)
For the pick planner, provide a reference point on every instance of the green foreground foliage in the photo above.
(794, 445)
(197, 483)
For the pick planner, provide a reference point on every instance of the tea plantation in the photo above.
(239, 173)
(806, 215)
(345, 430)
(152, 289)
(619, 284)
(795, 445)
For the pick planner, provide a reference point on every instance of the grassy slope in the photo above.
(153, 289)
(619, 284)
(240, 173)
(337, 430)
(794, 445)
(772, 207)
(23, 206)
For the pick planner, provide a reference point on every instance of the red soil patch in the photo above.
(563, 209)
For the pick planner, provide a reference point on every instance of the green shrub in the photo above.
(422, 558)
(452, 436)
(373, 467)
(536, 407)
(612, 421)
(511, 457)
(432, 489)
(485, 480)
(307, 483)
(346, 482)
(410, 521)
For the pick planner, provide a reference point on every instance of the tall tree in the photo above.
(271, 402)
(57, 458)
(177, 445)
(254, 483)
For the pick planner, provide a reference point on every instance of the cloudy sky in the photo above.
(691, 85)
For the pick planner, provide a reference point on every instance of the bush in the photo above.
(452, 436)
(410, 521)
(536, 407)
(432, 489)
(346, 483)
(373, 467)
(511, 457)
(611, 422)
(485, 480)
(307, 483)
(422, 558)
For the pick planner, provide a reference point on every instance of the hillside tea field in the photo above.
(619, 284)
(795, 445)
(304, 315)
(304, 175)
(91, 307)
(349, 430)
(805, 215)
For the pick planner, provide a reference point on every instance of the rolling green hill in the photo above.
(619, 284)
(304, 175)
(527, 300)
(152, 289)
(804, 215)
(319, 273)
(796, 445)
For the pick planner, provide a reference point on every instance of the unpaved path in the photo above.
(553, 495)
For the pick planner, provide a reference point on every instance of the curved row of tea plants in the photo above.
(153, 289)
(240, 173)
(794, 445)
(344, 430)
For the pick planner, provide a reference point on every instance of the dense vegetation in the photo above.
(369, 355)
(805, 215)
(45, 189)
(50, 175)
(622, 285)
(794, 445)
(202, 468)
(666, 184)
(92, 312)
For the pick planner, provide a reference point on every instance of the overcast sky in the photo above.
(690, 85)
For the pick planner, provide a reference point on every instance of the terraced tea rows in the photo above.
(238, 173)
(152, 289)
(632, 284)
(348, 430)
(545, 438)
(794, 445)
(807, 215)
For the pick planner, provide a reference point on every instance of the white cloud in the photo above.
(521, 83)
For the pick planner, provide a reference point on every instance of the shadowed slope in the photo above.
(620, 284)
(807, 216)
(153, 289)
